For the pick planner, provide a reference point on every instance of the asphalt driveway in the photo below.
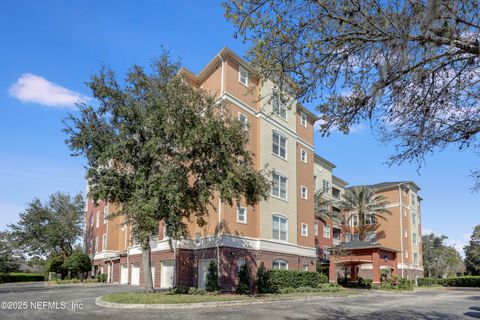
(78, 302)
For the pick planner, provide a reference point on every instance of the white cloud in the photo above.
(33, 88)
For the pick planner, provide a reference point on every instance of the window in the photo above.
(415, 258)
(356, 237)
(406, 234)
(165, 236)
(348, 237)
(279, 265)
(98, 219)
(91, 220)
(243, 120)
(355, 220)
(414, 238)
(279, 228)
(241, 215)
(279, 144)
(96, 244)
(303, 119)
(305, 267)
(336, 233)
(241, 262)
(414, 200)
(304, 192)
(326, 231)
(371, 237)
(304, 230)
(370, 218)
(105, 214)
(414, 218)
(326, 185)
(315, 228)
(243, 76)
(326, 253)
(104, 242)
(277, 106)
(406, 254)
(335, 193)
(315, 182)
(303, 155)
(279, 186)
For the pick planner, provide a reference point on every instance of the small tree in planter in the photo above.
(212, 278)
(261, 281)
(243, 280)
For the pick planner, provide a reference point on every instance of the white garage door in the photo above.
(123, 274)
(135, 275)
(166, 276)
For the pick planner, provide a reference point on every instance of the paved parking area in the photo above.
(372, 305)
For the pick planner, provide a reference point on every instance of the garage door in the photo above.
(166, 276)
(124, 274)
(135, 274)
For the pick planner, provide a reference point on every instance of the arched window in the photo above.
(279, 264)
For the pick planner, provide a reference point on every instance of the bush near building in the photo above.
(243, 280)
(212, 278)
(21, 277)
(467, 281)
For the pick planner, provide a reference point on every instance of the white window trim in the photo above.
(104, 241)
(329, 231)
(105, 214)
(243, 123)
(96, 244)
(304, 234)
(98, 219)
(245, 215)
(306, 192)
(286, 227)
(315, 228)
(286, 145)
(302, 152)
(303, 116)
(280, 101)
(286, 187)
(240, 69)
(280, 261)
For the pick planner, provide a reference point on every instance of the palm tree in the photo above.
(364, 203)
(322, 208)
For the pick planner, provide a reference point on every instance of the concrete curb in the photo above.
(187, 306)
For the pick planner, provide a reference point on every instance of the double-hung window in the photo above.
(279, 228)
(243, 76)
(304, 192)
(279, 186)
(279, 144)
(304, 230)
(243, 120)
(326, 185)
(104, 242)
(326, 231)
(105, 214)
(303, 155)
(241, 215)
(315, 228)
(303, 119)
(98, 219)
(278, 107)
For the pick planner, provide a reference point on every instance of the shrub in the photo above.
(196, 291)
(102, 277)
(466, 281)
(261, 279)
(278, 279)
(427, 282)
(243, 280)
(212, 278)
(181, 289)
(323, 278)
(21, 277)
(78, 264)
(364, 283)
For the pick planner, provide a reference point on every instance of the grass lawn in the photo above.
(165, 298)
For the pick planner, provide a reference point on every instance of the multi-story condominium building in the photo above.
(402, 229)
(278, 232)
(281, 232)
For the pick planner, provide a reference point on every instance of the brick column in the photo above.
(375, 267)
(353, 273)
(332, 274)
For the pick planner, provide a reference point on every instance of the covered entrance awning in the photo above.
(354, 253)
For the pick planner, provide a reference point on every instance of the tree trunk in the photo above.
(147, 270)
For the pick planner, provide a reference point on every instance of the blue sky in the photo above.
(53, 47)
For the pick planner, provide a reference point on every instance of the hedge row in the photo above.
(279, 279)
(467, 281)
(21, 277)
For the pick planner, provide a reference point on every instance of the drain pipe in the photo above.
(401, 226)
